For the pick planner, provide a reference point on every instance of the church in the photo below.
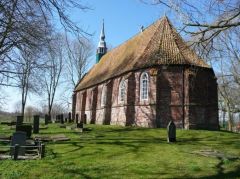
(147, 81)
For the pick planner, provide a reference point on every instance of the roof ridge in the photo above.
(174, 39)
(149, 42)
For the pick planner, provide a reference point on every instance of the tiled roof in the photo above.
(159, 44)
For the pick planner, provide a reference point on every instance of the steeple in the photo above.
(102, 48)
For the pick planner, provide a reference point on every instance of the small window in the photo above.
(122, 90)
(104, 96)
(144, 85)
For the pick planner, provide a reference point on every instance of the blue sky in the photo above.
(123, 20)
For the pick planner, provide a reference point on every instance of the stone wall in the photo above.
(186, 95)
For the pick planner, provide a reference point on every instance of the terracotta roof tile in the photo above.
(159, 44)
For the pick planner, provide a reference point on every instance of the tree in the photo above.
(53, 70)
(24, 22)
(79, 53)
(203, 20)
(26, 78)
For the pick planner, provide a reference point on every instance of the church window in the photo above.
(122, 90)
(144, 85)
(104, 96)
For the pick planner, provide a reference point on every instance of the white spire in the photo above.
(102, 42)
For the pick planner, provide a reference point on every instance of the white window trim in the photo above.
(120, 99)
(141, 86)
(103, 96)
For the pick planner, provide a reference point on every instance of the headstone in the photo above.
(69, 117)
(46, 118)
(25, 128)
(85, 119)
(171, 129)
(80, 125)
(77, 118)
(36, 124)
(66, 120)
(61, 119)
(19, 138)
(19, 120)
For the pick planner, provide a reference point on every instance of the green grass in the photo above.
(120, 152)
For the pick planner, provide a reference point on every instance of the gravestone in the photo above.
(36, 124)
(171, 129)
(61, 119)
(66, 120)
(19, 138)
(25, 128)
(69, 117)
(19, 120)
(46, 118)
(85, 119)
(77, 118)
(80, 125)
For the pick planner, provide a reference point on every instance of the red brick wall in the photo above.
(195, 108)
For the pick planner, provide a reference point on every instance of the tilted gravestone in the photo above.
(25, 128)
(36, 124)
(69, 117)
(19, 120)
(19, 138)
(171, 129)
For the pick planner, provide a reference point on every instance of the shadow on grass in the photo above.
(231, 174)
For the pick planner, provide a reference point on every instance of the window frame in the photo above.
(122, 88)
(144, 90)
(104, 96)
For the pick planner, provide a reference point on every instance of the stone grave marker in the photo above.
(19, 138)
(85, 119)
(19, 120)
(77, 118)
(61, 119)
(36, 124)
(171, 129)
(69, 117)
(25, 128)
(46, 118)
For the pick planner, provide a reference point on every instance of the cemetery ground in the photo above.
(129, 152)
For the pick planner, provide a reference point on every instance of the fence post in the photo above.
(16, 150)
(42, 155)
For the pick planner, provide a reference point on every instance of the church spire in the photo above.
(102, 48)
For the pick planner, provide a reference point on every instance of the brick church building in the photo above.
(150, 79)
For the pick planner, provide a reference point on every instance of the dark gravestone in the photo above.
(20, 139)
(80, 125)
(66, 120)
(61, 119)
(77, 118)
(171, 129)
(25, 128)
(36, 124)
(85, 119)
(69, 117)
(19, 120)
(46, 118)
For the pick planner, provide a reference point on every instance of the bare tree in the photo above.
(24, 22)
(26, 78)
(79, 53)
(53, 71)
(203, 20)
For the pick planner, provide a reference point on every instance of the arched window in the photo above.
(104, 96)
(144, 85)
(122, 90)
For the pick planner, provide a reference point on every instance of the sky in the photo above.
(123, 19)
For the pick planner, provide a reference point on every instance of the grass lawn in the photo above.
(120, 152)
